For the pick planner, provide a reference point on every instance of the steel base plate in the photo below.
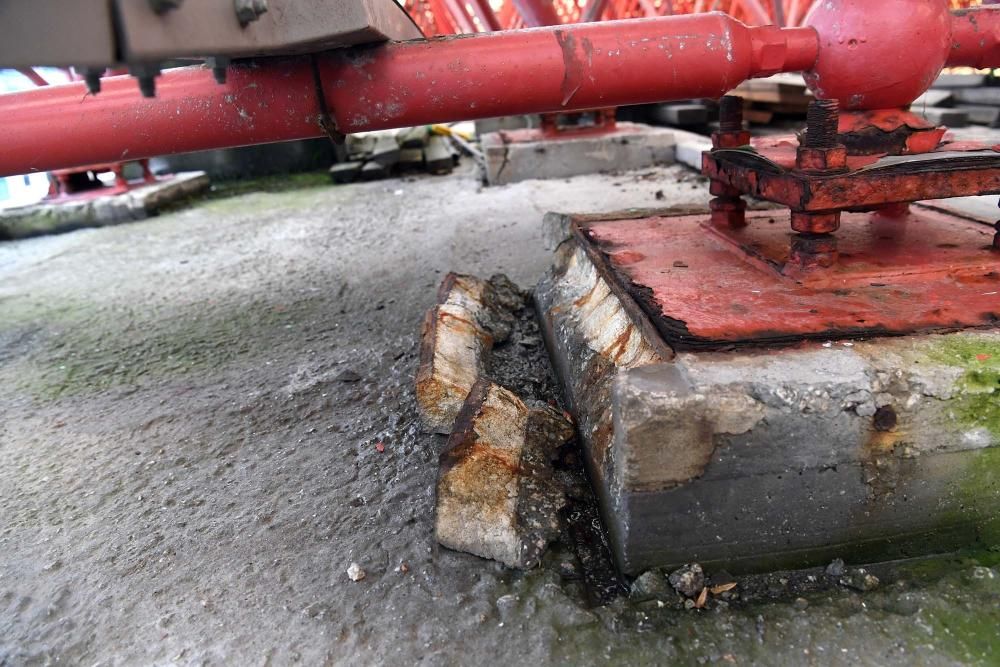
(706, 287)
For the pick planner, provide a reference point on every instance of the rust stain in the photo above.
(882, 465)
(619, 347)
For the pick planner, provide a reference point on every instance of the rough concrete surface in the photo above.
(191, 409)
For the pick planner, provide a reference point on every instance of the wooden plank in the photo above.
(682, 115)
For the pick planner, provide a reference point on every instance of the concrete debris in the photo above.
(689, 580)
(496, 495)
(651, 585)
(458, 334)
(379, 155)
(439, 155)
(345, 172)
(860, 579)
(355, 572)
(836, 568)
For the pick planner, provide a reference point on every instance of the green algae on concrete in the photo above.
(82, 354)
(977, 406)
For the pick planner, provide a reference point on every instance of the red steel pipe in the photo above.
(566, 68)
(537, 13)
(975, 38)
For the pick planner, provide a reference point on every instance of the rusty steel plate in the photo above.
(704, 287)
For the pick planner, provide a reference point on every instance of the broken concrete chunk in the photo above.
(345, 172)
(496, 496)
(373, 171)
(458, 334)
(360, 146)
(689, 580)
(414, 137)
(411, 158)
(860, 579)
(386, 151)
(439, 155)
(651, 585)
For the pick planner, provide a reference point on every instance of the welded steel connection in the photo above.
(550, 69)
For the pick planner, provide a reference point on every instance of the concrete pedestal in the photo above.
(770, 457)
(97, 208)
(517, 155)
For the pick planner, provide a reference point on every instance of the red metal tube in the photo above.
(573, 67)
(537, 13)
(566, 68)
(975, 38)
(486, 15)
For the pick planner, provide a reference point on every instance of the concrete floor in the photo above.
(188, 460)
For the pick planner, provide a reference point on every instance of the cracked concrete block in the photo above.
(517, 155)
(774, 457)
(458, 334)
(496, 496)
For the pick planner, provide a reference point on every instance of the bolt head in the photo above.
(728, 212)
(816, 223)
(813, 252)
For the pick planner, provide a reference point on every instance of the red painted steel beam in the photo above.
(33, 76)
(537, 13)
(756, 12)
(975, 38)
(482, 10)
(567, 68)
(593, 11)
(463, 22)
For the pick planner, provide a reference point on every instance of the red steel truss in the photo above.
(448, 17)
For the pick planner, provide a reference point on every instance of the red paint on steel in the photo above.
(594, 11)
(482, 11)
(936, 175)
(63, 126)
(569, 68)
(537, 13)
(921, 270)
(578, 67)
(975, 38)
(878, 55)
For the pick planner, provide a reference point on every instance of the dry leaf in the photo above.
(722, 588)
(702, 599)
